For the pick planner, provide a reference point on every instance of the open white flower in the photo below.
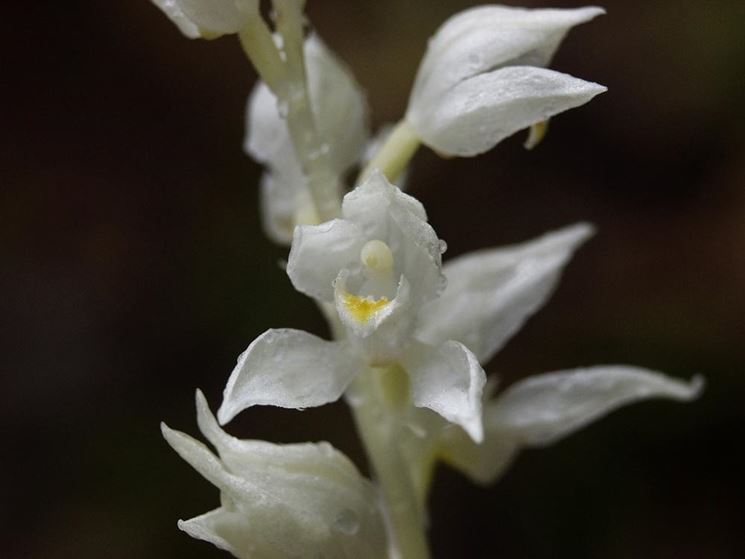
(294, 500)
(489, 295)
(209, 19)
(483, 78)
(340, 108)
(378, 265)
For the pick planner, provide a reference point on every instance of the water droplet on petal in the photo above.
(282, 109)
(347, 522)
(443, 246)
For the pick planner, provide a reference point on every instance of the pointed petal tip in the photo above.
(591, 12)
(170, 435)
(201, 402)
(225, 414)
(581, 231)
(696, 387)
(475, 430)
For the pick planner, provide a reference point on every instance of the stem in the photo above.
(258, 44)
(393, 156)
(286, 77)
(380, 429)
(311, 149)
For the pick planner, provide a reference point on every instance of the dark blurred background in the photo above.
(135, 270)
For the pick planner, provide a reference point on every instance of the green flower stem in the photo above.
(375, 401)
(258, 44)
(286, 77)
(393, 156)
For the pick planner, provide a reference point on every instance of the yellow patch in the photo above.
(362, 308)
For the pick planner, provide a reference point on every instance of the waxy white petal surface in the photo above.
(448, 380)
(208, 18)
(290, 369)
(479, 112)
(491, 293)
(485, 38)
(544, 408)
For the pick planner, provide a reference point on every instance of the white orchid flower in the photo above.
(489, 296)
(209, 19)
(294, 500)
(341, 113)
(378, 265)
(483, 78)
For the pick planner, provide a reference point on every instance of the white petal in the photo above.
(491, 293)
(277, 201)
(211, 468)
(267, 139)
(240, 455)
(208, 18)
(485, 38)
(385, 213)
(227, 530)
(448, 380)
(289, 369)
(338, 104)
(542, 409)
(479, 112)
(320, 252)
(173, 10)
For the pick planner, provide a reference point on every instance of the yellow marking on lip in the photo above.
(362, 308)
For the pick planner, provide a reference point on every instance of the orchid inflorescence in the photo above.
(411, 334)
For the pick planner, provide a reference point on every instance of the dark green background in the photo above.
(134, 270)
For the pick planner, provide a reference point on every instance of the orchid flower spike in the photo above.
(378, 265)
(281, 500)
(341, 113)
(483, 78)
(209, 19)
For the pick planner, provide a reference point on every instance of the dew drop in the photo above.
(443, 246)
(443, 283)
(282, 109)
(347, 522)
(322, 150)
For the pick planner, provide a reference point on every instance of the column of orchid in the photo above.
(410, 335)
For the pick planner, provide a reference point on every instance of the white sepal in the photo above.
(290, 369)
(479, 112)
(281, 500)
(491, 293)
(486, 38)
(448, 380)
(208, 19)
(545, 408)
